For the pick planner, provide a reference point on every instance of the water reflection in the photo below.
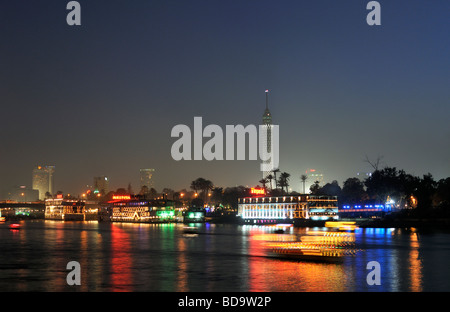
(182, 267)
(285, 275)
(415, 264)
(146, 257)
(121, 260)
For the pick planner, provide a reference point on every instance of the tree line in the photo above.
(406, 191)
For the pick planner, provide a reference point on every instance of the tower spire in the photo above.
(267, 98)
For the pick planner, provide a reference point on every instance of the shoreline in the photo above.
(420, 223)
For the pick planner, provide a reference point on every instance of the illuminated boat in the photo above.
(14, 226)
(309, 252)
(342, 226)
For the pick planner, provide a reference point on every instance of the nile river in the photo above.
(150, 257)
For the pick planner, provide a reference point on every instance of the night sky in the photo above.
(102, 98)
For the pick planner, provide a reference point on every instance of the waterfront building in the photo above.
(13, 209)
(146, 177)
(281, 209)
(101, 185)
(69, 209)
(135, 208)
(42, 180)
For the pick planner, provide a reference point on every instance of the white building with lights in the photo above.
(281, 209)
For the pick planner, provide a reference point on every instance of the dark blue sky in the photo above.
(102, 98)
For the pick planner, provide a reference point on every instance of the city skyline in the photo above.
(340, 90)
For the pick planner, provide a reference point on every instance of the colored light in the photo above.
(121, 197)
(257, 191)
(165, 214)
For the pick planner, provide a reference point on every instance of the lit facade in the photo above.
(126, 208)
(69, 210)
(42, 180)
(287, 208)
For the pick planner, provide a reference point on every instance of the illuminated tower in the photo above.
(42, 180)
(267, 123)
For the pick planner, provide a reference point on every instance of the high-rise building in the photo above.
(267, 123)
(101, 185)
(313, 177)
(42, 180)
(146, 177)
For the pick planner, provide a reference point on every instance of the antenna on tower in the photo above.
(267, 98)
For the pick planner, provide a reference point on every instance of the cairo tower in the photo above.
(267, 123)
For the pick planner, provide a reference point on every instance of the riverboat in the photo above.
(308, 252)
(126, 208)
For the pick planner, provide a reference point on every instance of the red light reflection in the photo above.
(120, 260)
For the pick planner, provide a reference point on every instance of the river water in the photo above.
(221, 258)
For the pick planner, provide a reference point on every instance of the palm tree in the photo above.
(217, 195)
(275, 171)
(303, 177)
(202, 184)
(207, 185)
(264, 182)
(284, 180)
(270, 178)
(195, 185)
